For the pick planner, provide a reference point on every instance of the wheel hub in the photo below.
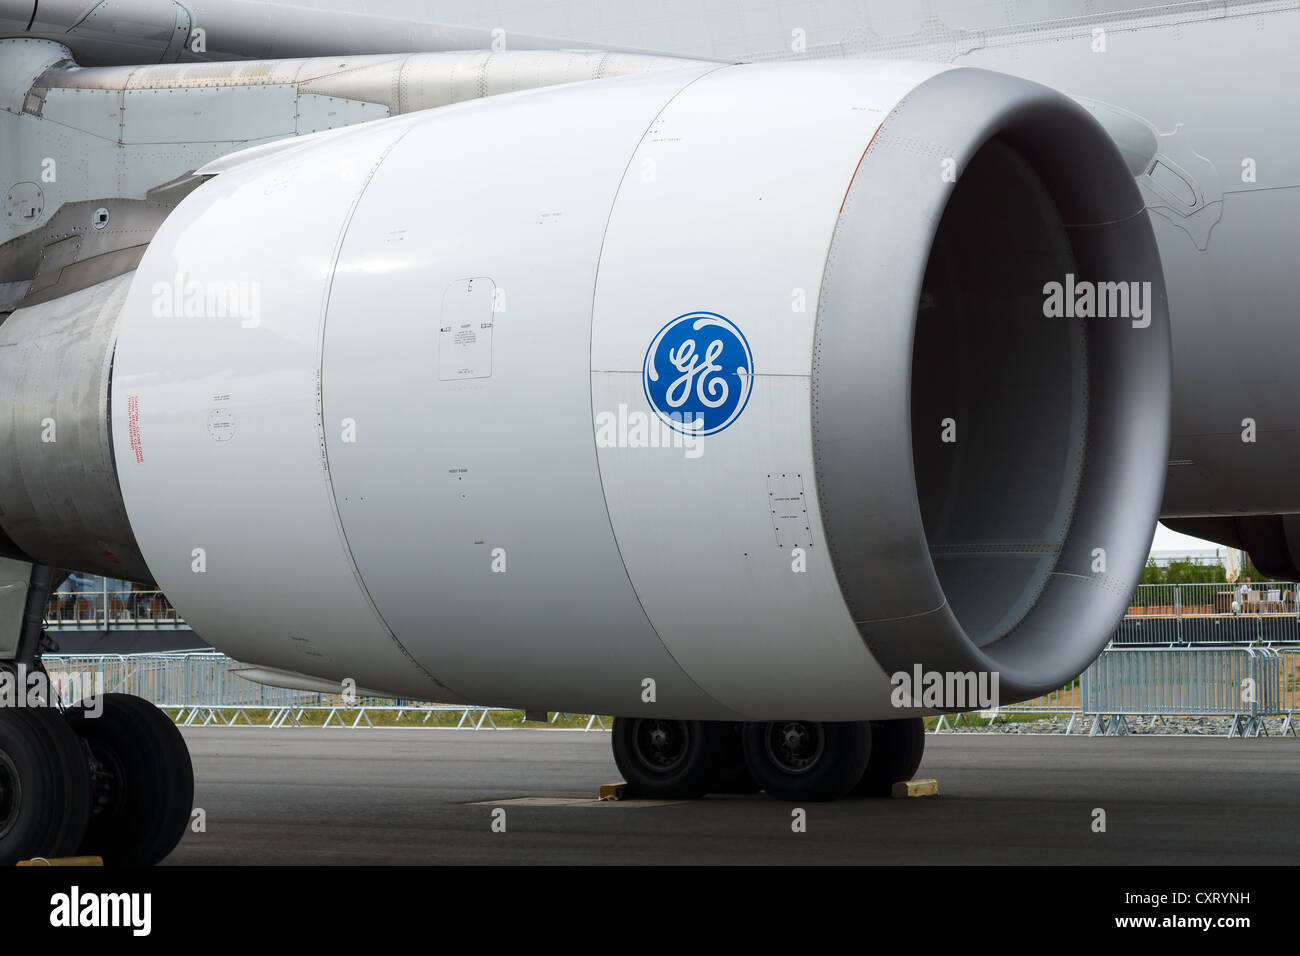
(106, 783)
(795, 746)
(661, 744)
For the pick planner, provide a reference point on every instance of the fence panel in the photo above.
(1199, 614)
(199, 686)
(1200, 681)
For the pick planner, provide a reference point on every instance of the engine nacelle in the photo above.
(733, 388)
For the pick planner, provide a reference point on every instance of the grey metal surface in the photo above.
(59, 499)
(14, 579)
(69, 253)
(1050, 503)
(31, 635)
(402, 82)
(402, 796)
(128, 641)
(133, 31)
(127, 139)
(23, 60)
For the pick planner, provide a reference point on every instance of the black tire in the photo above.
(142, 802)
(807, 760)
(72, 766)
(30, 814)
(671, 759)
(896, 750)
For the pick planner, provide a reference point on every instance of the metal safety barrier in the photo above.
(1288, 665)
(1245, 684)
(342, 715)
(1063, 701)
(1191, 614)
(199, 689)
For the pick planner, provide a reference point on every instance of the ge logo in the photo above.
(698, 373)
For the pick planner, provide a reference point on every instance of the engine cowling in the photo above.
(730, 386)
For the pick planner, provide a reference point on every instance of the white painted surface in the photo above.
(444, 472)
(279, 587)
(737, 220)
(621, 564)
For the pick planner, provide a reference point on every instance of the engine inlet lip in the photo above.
(865, 471)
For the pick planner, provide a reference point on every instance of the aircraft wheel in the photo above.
(143, 792)
(671, 759)
(44, 786)
(896, 749)
(807, 759)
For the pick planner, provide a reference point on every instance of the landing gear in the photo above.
(896, 749)
(807, 760)
(801, 760)
(111, 779)
(143, 785)
(674, 759)
(118, 784)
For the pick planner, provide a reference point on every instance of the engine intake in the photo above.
(990, 474)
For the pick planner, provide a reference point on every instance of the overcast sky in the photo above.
(1166, 540)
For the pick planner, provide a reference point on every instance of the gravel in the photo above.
(1195, 726)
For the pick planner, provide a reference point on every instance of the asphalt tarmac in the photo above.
(424, 796)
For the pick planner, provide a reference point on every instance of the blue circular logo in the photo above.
(698, 373)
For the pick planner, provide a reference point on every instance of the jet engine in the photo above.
(734, 389)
